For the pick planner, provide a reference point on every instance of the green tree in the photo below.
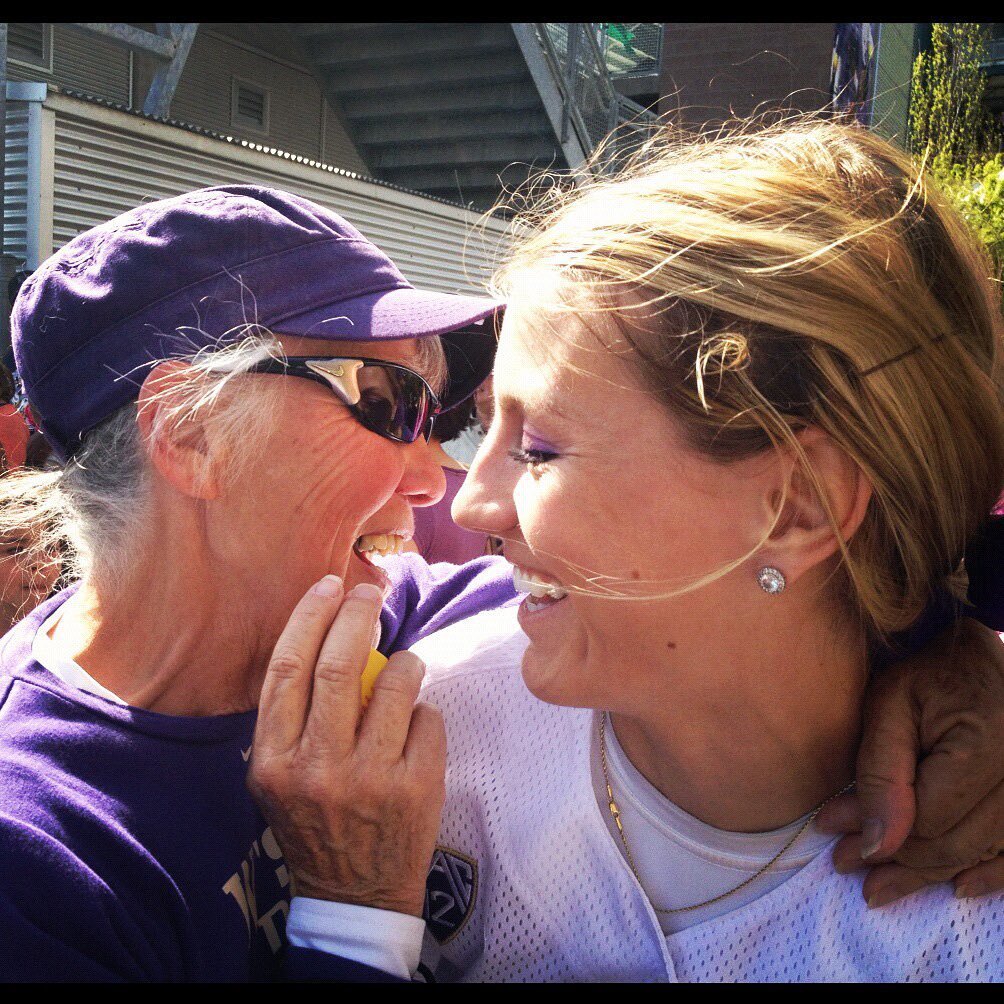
(978, 193)
(952, 133)
(948, 119)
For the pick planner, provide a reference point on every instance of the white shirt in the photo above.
(535, 888)
(681, 860)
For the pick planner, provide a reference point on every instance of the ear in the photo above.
(176, 443)
(807, 531)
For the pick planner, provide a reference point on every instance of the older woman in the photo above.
(239, 386)
(748, 418)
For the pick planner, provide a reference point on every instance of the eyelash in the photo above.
(532, 457)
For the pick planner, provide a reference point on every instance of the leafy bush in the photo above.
(977, 191)
(953, 134)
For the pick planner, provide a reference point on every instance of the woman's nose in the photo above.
(485, 501)
(423, 482)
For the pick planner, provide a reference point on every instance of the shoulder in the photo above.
(424, 598)
(64, 918)
(474, 672)
(474, 676)
(486, 643)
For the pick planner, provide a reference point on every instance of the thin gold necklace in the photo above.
(615, 813)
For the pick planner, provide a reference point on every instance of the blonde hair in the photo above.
(769, 279)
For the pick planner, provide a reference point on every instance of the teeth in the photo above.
(379, 543)
(527, 582)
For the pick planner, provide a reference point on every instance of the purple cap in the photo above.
(171, 277)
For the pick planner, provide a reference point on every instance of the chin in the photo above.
(551, 678)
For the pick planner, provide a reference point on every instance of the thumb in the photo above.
(887, 766)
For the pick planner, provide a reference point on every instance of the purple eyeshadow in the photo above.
(532, 442)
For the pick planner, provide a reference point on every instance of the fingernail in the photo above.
(872, 833)
(842, 866)
(330, 585)
(882, 898)
(972, 889)
(367, 591)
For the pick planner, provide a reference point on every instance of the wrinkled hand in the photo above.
(929, 805)
(353, 798)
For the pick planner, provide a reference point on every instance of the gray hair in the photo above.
(94, 509)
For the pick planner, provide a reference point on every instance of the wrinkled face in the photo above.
(26, 578)
(324, 493)
(588, 481)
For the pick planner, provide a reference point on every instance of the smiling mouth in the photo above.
(373, 545)
(541, 592)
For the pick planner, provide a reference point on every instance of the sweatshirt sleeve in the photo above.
(61, 922)
(309, 965)
(425, 598)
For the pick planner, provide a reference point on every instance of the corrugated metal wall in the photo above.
(94, 66)
(108, 161)
(82, 62)
(15, 193)
(339, 149)
(90, 64)
(204, 91)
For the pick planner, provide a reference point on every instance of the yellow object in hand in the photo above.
(374, 666)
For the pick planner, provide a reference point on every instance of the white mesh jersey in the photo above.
(533, 887)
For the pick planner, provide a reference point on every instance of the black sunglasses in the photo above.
(390, 400)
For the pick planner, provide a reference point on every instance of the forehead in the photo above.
(554, 350)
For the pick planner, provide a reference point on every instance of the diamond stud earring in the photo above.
(771, 580)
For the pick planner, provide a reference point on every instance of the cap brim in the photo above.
(466, 322)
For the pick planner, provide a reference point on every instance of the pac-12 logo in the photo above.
(450, 891)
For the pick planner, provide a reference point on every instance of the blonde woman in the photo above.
(748, 417)
(720, 524)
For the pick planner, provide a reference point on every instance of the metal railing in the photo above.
(633, 50)
(591, 106)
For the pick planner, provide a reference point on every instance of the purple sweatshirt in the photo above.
(130, 848)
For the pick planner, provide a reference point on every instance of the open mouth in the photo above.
(379, 545)
(541, 592)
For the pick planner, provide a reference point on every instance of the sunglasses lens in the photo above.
(394, 402)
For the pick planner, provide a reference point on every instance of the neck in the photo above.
(775, 736)
(172, 642)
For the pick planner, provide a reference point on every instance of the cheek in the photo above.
(309, 490)
(584, 528)
(346, 475)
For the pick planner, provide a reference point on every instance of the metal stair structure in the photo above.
(465, 111)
